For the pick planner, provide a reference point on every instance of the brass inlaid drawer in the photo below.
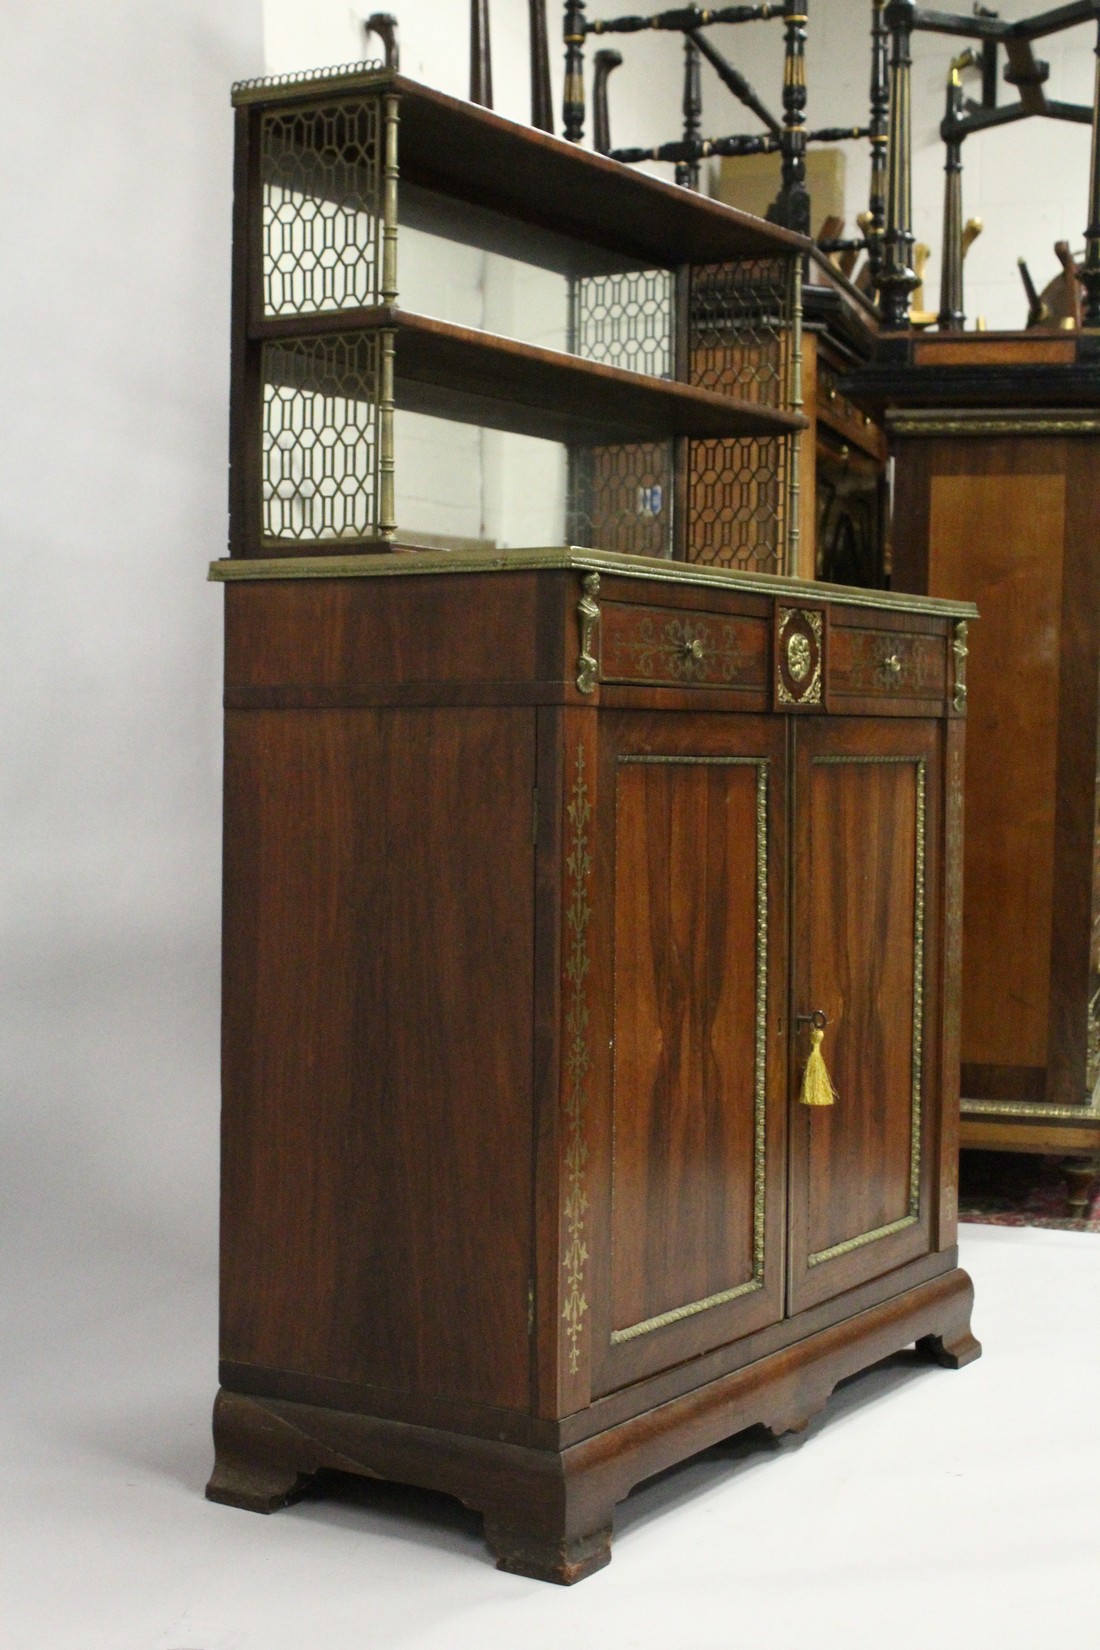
(681, 647)
(868, 663)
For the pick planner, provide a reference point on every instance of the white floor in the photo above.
(925, 1508)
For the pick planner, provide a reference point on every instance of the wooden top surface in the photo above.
(398, 564)
(460, 149)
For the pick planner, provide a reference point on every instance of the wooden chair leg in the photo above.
(1082, 1181)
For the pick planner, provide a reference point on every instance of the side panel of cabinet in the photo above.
(377, 1048)
(688, 1164)
(867, 825)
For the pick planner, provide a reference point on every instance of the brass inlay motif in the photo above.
(688, 650)
(894, 664)
(578, 915)
(912, 1214)
(1087, 1112)
(954, 899)
(980, 423)
(961, 651)
(678, 1313)
(588, 617)
(800, 657)
(795, 401)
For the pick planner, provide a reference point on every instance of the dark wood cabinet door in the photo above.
(688, 1151)
(867, 807)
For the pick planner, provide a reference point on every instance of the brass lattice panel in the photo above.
(740, 329)
(320, 437)
(620, 497)
(322, 183)
(625, 320)
(737, 503)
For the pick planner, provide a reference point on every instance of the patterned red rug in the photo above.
(1017, 1189)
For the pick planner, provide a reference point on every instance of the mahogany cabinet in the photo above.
(535, 866)
(996, 501)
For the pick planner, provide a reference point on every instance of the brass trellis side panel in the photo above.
(323, 171)
(744, 339)
(321, 453)
(578, 1053)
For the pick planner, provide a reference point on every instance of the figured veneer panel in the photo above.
(377, 1130)
(867, 890)
(345, 632)
(687, 1169)
(997, 539)
(685, 1018)
(861, 893)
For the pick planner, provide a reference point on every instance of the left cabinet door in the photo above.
(688, 1148)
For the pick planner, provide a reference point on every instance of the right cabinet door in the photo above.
(867, 807)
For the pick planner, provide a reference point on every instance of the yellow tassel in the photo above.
(817, 1085)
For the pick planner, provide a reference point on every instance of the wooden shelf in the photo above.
(479, 378)
(469, 153)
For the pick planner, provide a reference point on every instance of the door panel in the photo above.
(866, 809)
(692, 1219)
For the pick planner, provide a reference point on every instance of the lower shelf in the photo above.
(548, 1513)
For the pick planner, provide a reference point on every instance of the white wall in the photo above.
(448, 477)
(117, 137)
(1028, 183)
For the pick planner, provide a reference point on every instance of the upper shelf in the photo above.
(459, 149)
(477, 377)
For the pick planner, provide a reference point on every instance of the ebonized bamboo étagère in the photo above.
(544, 871)
(661, 346)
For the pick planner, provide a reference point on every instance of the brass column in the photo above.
(951, 316)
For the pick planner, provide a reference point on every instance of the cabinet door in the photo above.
(688, 1170)
(864, 943)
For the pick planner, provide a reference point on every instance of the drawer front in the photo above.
(872, 663)
(681, 647)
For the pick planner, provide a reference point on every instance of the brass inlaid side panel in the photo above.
(675, 646)
(953, 876)
(997, 539)
(578, 1054)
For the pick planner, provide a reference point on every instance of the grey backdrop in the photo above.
(115, 132)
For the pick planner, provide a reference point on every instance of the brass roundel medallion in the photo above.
(799, 656)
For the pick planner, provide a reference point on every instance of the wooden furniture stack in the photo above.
(997, 474)
(544, 870)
